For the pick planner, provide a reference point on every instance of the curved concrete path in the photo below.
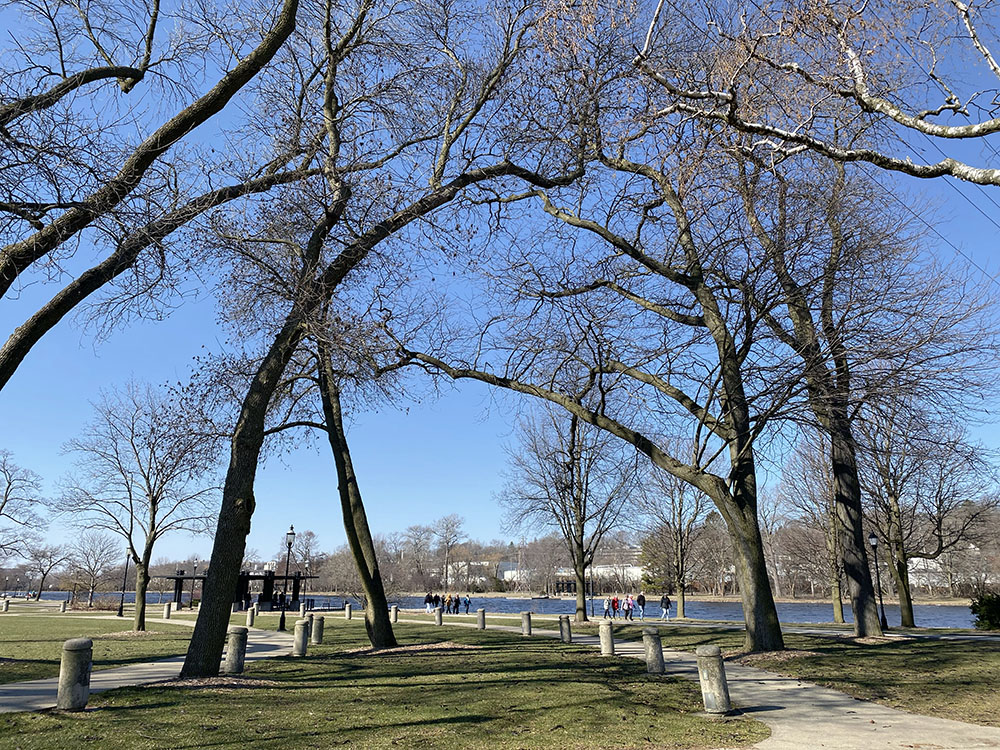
(803, 716)
(37, 695)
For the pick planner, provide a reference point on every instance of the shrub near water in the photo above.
(986, 608)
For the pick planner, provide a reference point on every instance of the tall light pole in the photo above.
(873, 541)
(305, 583)
(121, 602)
(289, 540)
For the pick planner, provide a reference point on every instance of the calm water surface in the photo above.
(925, 615)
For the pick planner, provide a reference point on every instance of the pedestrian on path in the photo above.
(607, 607)
(640, 602)
(665, 608)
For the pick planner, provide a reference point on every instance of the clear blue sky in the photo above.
(442, 456)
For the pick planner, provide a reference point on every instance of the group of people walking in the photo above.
(627, 606)
(451, 603)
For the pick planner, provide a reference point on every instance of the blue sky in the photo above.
(441, 456)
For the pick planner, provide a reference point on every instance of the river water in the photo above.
(925, 615)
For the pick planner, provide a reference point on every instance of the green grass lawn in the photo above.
(950, 679)
(477, 690)
(31, 646)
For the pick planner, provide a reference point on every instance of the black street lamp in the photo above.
(305, 583)
(121, 602)
(873, 541)
(289, 540)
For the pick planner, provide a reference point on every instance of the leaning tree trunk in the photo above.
(359, 536)
(141, 584)
(204, 653)
(763, 631)
(847, 497)
(901, 576)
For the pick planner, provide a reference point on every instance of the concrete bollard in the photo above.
(309, 619)
(166, 610)
(565, 632)
(302, 610)
(301, 638)
(6, 605)
(394, 613)
(236, 650)
(481, 618)
(526, 623)
(62, 606)
(74, 674)
(607, 638)
(251, 616)
(236, 606)
(654, 650)
(437, 616)
(317, 630)
(347, 610)
(712, 675)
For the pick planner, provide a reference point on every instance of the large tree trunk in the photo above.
(847, 496)
(901, 576)
(680, 596)
(359, 536)
(141, 584)
(204, 653)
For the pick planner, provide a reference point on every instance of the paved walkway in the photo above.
(801, 715)
(37, 695)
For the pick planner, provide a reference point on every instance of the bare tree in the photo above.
(93, 556)
(398, 143)
(73, 173)
(42, 560)
(448, 532)
(140, 474)
(930, 490)
(20, 501)
(854, 83)
(574, 477)
(807, 485)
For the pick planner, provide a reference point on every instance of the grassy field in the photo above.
(31, 646)
(475, 690)
(950, 679)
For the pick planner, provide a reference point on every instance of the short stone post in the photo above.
(317, 630)
(301, 638)
(437, 616)
(394, 613)
(565, 632)
(607, 638)
(6, 605)
(481, 618)
(309, 619)
(236, 606)
(302, 610)
(62, 606)
(654, 650)
(526, 623)
(74, 674)
(712, 675)
(347, 610)
(251, 616)
(166, 610)
(236, 650)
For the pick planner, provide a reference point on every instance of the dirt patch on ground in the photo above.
(764, 658)
(419, 648)
(230, 682)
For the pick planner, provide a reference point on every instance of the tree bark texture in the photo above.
(359, 536)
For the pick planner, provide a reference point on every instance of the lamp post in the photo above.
(289, 540)
(121, 602)
(305, 583)
(194, 577)
(873, 541)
